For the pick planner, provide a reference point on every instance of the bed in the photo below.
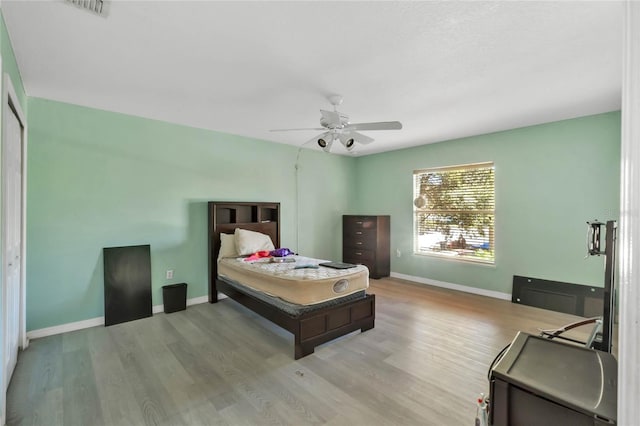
(311, 326)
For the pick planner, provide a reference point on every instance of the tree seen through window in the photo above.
(454, 212)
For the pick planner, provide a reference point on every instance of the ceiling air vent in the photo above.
(99, 7)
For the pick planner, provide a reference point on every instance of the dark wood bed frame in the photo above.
(309, 329)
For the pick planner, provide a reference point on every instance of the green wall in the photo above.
(100, 179)
(550, 180)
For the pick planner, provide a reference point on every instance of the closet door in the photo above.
(13, 237)
(12, 230)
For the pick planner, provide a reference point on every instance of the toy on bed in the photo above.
(253, 245)
(277, 255)
(317, 304)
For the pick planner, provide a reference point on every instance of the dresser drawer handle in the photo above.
(359, 243)
(358, 254)
(359, 233)
(358, 223)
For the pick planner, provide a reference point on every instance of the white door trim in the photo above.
(3, 394)
(9, 97)
(629, 282)
(10, 100)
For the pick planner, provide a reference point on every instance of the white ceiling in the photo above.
(444, 69)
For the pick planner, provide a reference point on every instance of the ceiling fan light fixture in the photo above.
(349, 144)
(325, 141)
(348, 141)
(327, 147)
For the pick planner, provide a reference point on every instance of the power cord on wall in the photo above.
(496, 360)
(297, 199)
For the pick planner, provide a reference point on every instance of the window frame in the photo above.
(450, 255)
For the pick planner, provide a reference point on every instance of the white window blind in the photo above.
(454, 212)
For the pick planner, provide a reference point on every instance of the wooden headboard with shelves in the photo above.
(226, 216)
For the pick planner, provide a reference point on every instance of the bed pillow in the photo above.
(249, 242)
(227, 246)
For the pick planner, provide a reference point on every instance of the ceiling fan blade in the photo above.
(304, 128)
(331, 119)
(360, 138)
(382, 125)
(313, 140)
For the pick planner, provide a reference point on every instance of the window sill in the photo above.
(453, 256)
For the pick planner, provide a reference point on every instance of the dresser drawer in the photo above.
(354, 255)
(366, 233)
(369, 266)
(368, 263)
(359, 222)
(362, 242)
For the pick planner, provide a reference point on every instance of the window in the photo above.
(454, 210)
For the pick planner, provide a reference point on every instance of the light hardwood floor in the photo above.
(424, 363)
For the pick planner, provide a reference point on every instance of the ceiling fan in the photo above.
(338, 128)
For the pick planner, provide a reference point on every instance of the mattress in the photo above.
(292, 309)
(302, 286)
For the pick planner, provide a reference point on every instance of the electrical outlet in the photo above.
(169, 274)
(398, 253)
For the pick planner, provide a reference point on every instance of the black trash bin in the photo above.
(174, 297)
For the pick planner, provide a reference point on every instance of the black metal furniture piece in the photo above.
(540, 381)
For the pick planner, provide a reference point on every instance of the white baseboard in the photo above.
(451, 286)
(64, 328)
(94, 322)
(195, 301)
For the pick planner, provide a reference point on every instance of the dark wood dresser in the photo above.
(365, 240)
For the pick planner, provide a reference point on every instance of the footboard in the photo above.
(314, 328)
(322, 326)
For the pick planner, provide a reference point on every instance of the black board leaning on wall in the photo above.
(127, 283)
